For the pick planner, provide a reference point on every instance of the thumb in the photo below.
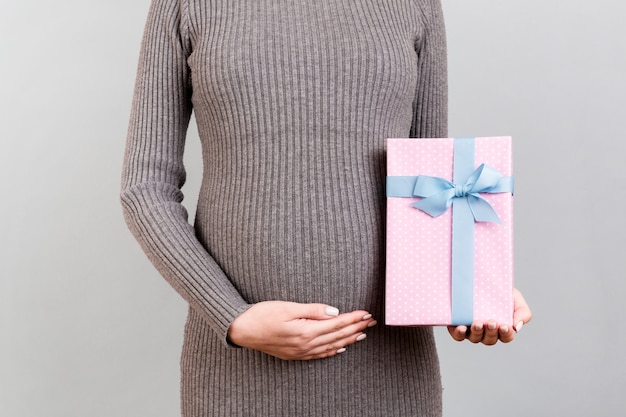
(318, 311)
(521, 313)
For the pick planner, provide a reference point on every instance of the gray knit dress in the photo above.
(293, 100)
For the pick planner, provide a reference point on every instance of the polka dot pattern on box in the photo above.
(419, 246)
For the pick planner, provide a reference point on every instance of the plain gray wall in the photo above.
(88, 328)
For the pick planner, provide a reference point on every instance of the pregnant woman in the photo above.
(283, 268)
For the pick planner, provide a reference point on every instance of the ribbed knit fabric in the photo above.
(293, 100)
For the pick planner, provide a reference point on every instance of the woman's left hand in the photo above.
(490, 331)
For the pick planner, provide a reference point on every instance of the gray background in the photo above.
(88, 328)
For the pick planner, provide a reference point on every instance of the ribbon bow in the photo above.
(438, 193)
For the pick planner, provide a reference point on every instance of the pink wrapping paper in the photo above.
(418, 266)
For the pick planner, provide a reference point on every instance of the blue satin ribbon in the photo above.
(438, 193)
(463, 194)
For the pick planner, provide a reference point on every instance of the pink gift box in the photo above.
(419, 274)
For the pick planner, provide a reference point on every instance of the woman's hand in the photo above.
(490, 332)
(294, 331)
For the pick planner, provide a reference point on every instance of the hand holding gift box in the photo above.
(490, 332)
(449, 232)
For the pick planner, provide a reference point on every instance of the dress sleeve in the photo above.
(153, 171)
(430, 108)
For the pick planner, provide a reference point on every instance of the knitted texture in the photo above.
(293, 102)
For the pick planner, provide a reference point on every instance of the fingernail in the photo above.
(332, 311)
(372, 324)
(367, 317)
(518, 326)
(492, 326)
(360, 337)
(341, 350)
(478, 327)
(462, 329)
(504, 329)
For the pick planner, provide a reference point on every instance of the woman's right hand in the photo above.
(294, 331)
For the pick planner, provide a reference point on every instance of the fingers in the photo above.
(317, 341)
(458, 333)
(491, 333)
(506, 334)
(477, 332)
(487, 333)
(354, 320)
(340, 332)
(347, 335)
(329, 348)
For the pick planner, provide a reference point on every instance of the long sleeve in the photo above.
(430, 108)
(153, 171)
